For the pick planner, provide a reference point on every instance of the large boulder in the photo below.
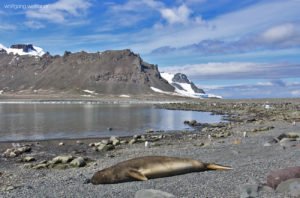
(291, 187)
(275, 177)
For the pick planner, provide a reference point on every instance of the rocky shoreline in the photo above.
(257, 137)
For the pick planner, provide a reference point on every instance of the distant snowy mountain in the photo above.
(183, 86)
(23, 49)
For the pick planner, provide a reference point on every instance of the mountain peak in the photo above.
(184, 87)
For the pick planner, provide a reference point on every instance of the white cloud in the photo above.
(176, 15)
(279, 33)
(59, 11)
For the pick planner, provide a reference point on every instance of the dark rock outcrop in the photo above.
(3, 51)
(108, 72)
(24, 47)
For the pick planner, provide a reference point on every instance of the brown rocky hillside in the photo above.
(108, 72)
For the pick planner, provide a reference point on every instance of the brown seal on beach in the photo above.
(144, 168)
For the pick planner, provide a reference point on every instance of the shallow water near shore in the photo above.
(57, 121)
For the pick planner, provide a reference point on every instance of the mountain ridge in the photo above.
(111, 72)
(108, 72)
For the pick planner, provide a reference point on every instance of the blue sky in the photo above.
(239, 49)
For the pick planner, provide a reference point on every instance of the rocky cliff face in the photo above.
(108, 72)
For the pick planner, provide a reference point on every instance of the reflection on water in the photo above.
(50, 121)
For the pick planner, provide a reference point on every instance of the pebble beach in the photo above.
(255, 138)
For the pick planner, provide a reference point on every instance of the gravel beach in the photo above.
(249, 142)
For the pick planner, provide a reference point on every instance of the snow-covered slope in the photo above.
(185, 87)
(23, 49)
(2, 46)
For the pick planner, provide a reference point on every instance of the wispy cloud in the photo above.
(118, 16)
(237, 70)
(275, 88)
(279, 33)
(192, 2)
(60, 11)
(34, 24)
(5, 27)
(133, 12)
(228, 27)
(280, 36)
(296, 93)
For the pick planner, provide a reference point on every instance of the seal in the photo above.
(149, 167)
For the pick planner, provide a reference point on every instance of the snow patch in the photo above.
(187, 87)
(124, 96)
(167, 76)
(89, 91)
(36, 52)
(161, 91)
(87, 95)
(158, 90)
(2, 46)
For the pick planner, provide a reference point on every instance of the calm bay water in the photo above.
(51, 121)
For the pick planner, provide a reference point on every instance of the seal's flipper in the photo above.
(135, 174)
(217, 167)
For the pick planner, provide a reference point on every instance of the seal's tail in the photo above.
(217, 167)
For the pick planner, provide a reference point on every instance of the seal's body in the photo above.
(144, 168)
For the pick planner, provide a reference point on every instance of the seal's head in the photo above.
(108, 176)
(101, 177)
